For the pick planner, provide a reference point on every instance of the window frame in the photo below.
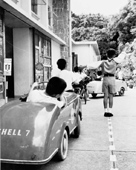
(1, 55)
(43, 47)
(49, 16)
(34, 6)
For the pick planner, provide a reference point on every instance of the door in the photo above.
(9, 54)
(74, 60)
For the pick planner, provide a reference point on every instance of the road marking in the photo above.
(112, 147)
(110, 128)
(110, 133)
(113, 158)
(109, 123)
(111, 139)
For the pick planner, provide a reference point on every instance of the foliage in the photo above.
(92, 27)
(107, 31)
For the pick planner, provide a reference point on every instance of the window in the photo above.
(42, 58)
(49, 15)
(1, 55)
(48, 48)
(16, 1)
(1, 87)
(1, 25)
(34, 6)
(37, 40)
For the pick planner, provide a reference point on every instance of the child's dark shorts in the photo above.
(108, 86)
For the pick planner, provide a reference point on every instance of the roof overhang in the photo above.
(83, 42)
(29, 21)
(92, 44)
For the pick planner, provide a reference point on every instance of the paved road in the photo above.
(105, 143)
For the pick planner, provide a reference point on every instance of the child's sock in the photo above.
(110, 110)
(105, 110)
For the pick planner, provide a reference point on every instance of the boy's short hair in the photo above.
(76, 69)
(61, 63)
(55, 86)
(110, 53)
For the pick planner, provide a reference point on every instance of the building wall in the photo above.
(23, 62)
(25, 5)
(61, 20)
(22, 37)
(85, 54)
(41, 16)
(93, 56)
(43, 13)
(56, 54)
(62, 27)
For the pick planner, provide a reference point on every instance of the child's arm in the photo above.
(62, 101)
(120, 58)
(34, 85)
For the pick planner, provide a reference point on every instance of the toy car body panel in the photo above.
(95, 87)
(120, 84)
(30, 132)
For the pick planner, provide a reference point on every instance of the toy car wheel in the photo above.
(77, 130)
(94, 95)
(63, 149)
(121, 92)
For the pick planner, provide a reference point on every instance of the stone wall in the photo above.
(61, 26)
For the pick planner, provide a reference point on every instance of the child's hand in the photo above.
(35, 84)
(63, 99)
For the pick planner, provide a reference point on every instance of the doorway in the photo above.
(9, 54)
(74, 60)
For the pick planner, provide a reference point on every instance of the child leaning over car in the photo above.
(52, 93)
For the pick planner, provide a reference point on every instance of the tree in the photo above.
(92, 27)
(108, 32)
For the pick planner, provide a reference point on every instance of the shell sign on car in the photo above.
(32, 133)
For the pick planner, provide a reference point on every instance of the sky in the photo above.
(104, 7)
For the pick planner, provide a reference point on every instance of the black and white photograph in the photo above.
(68, 84)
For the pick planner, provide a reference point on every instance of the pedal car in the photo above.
(95, 87)
(32, 133)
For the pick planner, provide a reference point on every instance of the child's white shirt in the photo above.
(40, 96)
(69, 78)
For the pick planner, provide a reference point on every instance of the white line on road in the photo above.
(113, 158)
(112, 147)
(111, 139)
